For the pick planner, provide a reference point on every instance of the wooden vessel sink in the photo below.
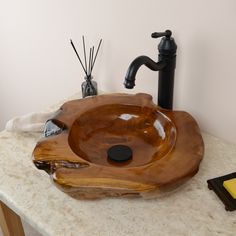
(119, 145)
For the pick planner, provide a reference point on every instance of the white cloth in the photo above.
(33, 122)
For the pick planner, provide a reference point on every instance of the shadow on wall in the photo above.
(196, 77)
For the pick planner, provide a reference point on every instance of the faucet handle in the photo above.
(167, 33)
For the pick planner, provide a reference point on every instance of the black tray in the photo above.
(216, 185)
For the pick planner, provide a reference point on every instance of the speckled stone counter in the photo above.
(190, 210)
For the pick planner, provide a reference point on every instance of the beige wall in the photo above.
(38, 66)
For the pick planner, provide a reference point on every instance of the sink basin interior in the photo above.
(148, 132)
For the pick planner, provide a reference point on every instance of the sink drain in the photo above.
(119, 153)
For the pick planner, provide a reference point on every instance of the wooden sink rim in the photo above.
(85, 179)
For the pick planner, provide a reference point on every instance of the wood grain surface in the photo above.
(10, 222)
(167, 147)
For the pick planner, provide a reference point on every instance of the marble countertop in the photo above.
(191, 210)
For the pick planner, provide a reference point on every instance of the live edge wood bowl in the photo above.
(167, 147)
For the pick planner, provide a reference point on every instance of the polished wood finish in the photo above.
(167, 147)
(10, 222)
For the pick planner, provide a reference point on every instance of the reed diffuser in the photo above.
(89, 87)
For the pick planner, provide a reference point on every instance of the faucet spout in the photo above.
(136, 64)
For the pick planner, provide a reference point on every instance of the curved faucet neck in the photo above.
(136, 64)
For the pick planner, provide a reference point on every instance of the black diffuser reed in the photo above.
(89, 87)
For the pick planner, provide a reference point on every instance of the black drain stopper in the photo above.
(119, 153)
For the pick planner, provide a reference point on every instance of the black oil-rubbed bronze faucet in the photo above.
(165, 65)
